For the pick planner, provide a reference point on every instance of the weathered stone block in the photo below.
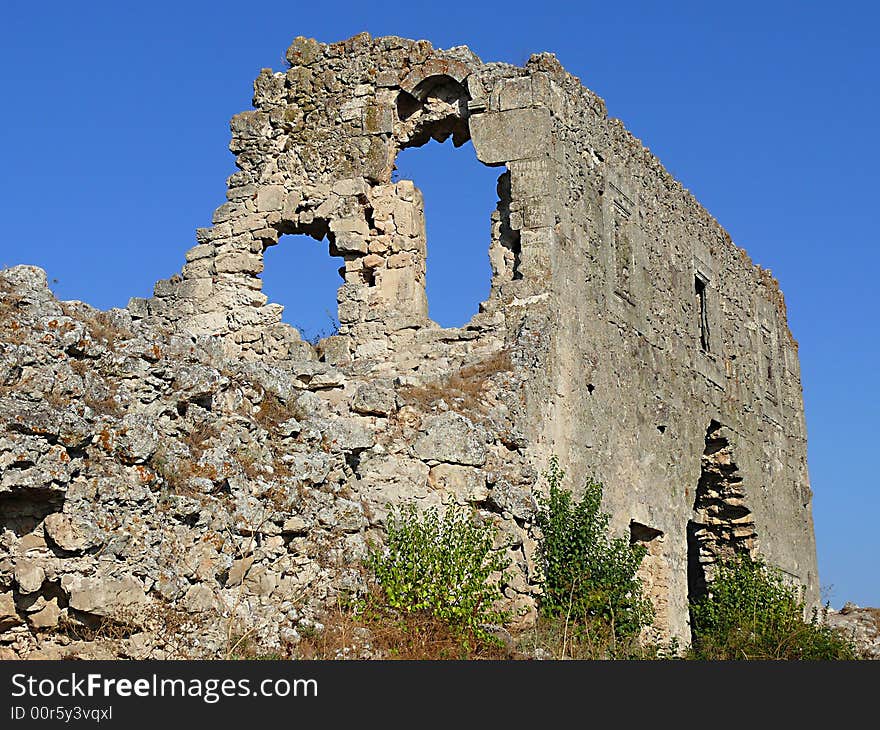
(374, 399)
(29, 576)
(236, 263)
(515, 93)
(270, 197)
(510, 135)
(8, 614)
(452, 438)
(465, 484)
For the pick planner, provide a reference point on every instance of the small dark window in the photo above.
(700, 290)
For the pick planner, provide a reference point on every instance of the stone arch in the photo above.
(722, 525)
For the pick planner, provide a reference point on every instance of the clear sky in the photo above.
(114, 119)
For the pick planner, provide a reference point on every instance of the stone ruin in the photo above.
(624, 332)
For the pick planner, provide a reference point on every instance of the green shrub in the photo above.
(587, 574)
(444, 566)
(750, 612)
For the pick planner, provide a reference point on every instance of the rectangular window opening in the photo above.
(700, 290)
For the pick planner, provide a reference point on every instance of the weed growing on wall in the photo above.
(588, 575)
(445, 566)
(750, 612)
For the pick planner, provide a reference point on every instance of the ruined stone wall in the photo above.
(640, 335)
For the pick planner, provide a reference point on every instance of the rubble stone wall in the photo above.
(210, 460)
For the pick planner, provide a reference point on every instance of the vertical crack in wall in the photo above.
(722, 525)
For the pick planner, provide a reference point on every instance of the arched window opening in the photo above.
(301, 275)
(460, 194)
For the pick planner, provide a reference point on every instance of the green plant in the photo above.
(587, 574)
(750, 612)
(445, 566)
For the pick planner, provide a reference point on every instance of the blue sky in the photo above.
(115, 128)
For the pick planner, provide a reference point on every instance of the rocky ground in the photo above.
(862, 624)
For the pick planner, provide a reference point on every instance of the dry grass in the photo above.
(559, 638)
(10, 301)
(176, 473)
(97, 628)
(463, 390)
(381, 633)
(107, 406)
(101, 327)
(273, 412)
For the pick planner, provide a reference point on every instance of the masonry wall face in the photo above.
(650, 352)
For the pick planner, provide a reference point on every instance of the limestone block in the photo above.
(291, 205)
(201, 269)
(260, 581)
(379, 159)
(199, 598)
(8, 614)
(452, 438)
(350, 225)
(270, 198)
(372, 261)
(393, 478)
(227, 212)
(351, 111)
(250, 125)
(238, 571)
(404, 259)
(378, 119)
(349, 434)
(103, 595)
(536, 213)
(408, 218)
(515, 93)
(349, 187)
(29, 575)
(295, 525)
(242, 192)
(199, 252)
(47, 617)
(250, 222)
(465, 484)
(192, 288)
(531, 178)
(68, 533)
(348, 242)
(512, 498)
(166, 287)
(239, 262)
(207, 323)
(137, 438)
(403, 289)
(139, 307)
(374, 398)
(345, 515)
(510, 135)
(335, 350)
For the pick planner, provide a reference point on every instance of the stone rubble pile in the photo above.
(161, 499)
